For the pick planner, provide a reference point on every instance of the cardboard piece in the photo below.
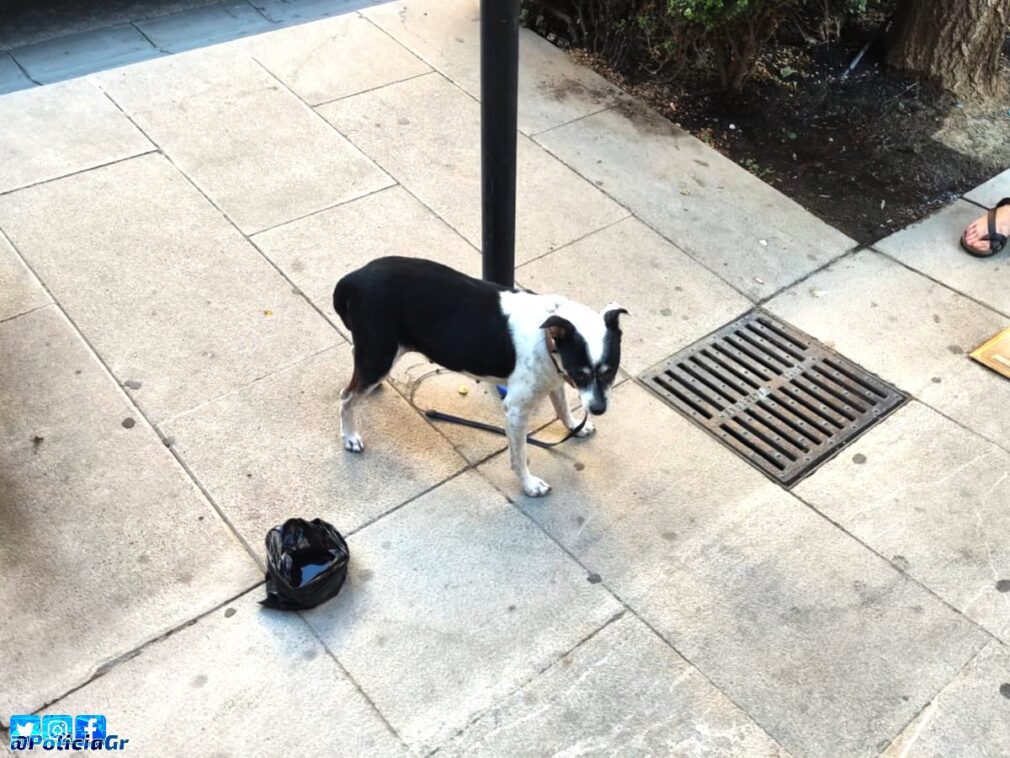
(995, 353)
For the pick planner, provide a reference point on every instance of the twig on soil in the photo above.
(865, 48)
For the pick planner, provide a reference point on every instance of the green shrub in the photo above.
(661, 38)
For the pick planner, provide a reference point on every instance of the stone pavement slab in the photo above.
(12, 78)
(932, 498)
(301, 11)
(316, 251)
(240, 681)
(22, 292)
(85, 53)
(106, 543)
(623, 692)
(969, 718)
(908, 330)
(723, 216)
(452, 602)
(257, 151)
(273, 450)
(37, 21)
(426, 133)
(829, 649)
(673, 300)
(334, 58)
(933, 247)
(207, 25)
(47, 132)
(168, 292)
(553, 88)
(992, 191)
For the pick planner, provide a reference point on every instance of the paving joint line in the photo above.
(946, 286)
(168, 420)
(32, 79)
(682, 247)
(633, 612)
(319, 116)
(259, 13)
(933, 698)
(416, 496)
(519, 134)
(150, 41)
(366, 91)
(118, 660)
(154, 150)
(810, 274)
(528, 680)
(429, 64)
(598, 111)
(445, 75)
(967, 200)
(229, 219)
(585, 236)
(25, 313)
(352, 680)
(310, 214)
(679, 246)
(914, 580)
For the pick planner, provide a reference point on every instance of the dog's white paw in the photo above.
(535, 487)
(587, 429)
(352, 442)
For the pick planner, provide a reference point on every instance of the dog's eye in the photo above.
(606, 374)
(586, 372)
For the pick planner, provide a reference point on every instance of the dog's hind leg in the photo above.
(371, 365)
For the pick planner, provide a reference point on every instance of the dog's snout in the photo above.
(598, 409)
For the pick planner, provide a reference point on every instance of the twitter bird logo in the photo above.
(25, 726)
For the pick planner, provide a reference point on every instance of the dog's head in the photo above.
(588, 347)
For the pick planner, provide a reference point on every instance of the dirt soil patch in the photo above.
(869, 153)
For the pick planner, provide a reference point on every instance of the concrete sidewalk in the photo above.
(170, 233)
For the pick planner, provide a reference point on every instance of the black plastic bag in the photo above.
(306, 564)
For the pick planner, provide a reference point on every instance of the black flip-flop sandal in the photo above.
(996, 240)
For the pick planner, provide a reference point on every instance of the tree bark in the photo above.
(954, 43)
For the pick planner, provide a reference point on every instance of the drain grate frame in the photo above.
(777, 397)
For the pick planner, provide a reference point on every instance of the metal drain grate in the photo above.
(773, 394)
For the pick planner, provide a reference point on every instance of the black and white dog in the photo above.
(533, 343)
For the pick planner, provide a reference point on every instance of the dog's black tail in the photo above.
(342, 299)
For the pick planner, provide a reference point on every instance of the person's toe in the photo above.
(974, 232)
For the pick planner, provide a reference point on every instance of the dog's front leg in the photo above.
(564, 413)
(516, 424)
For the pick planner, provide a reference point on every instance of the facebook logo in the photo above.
(89, 727)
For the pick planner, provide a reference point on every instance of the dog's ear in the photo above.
(559, 328)
(611, 315)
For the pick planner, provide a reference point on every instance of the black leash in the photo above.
(439, 416)
(449, 418)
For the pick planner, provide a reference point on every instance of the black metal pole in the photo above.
(499, 86)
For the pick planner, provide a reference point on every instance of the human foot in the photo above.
(987, 235)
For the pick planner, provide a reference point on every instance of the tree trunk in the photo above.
(954, 43)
